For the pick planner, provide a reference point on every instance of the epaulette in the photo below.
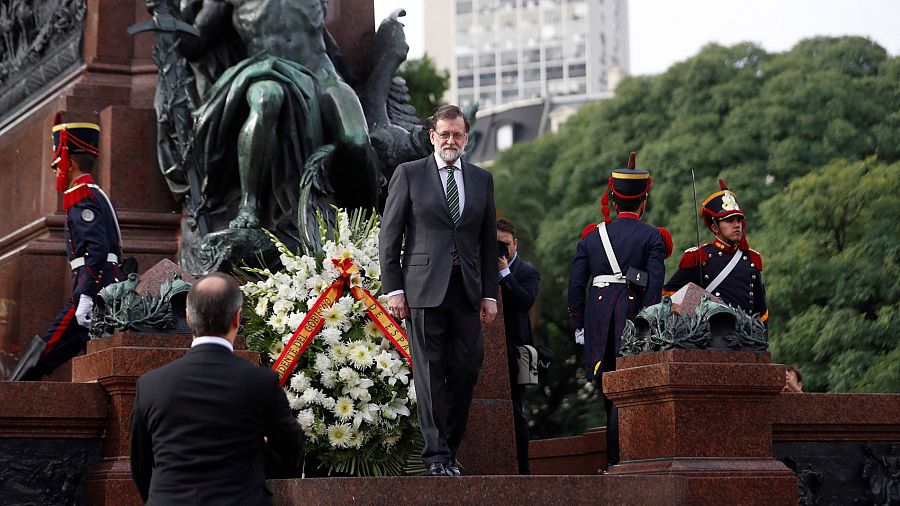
(667, 240)
(756, 259)
(588, 229)
(692, 257)
(75, 195)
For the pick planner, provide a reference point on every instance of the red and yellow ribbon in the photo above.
(314, 321)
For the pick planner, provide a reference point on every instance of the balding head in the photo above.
(212, 303)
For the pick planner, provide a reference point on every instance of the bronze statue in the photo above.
(276, 134)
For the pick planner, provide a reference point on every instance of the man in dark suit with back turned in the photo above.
(439, 268)
(519, 284)
(200, 423)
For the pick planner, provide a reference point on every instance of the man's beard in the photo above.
(449, 155)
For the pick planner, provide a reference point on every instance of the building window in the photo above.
(554, 73)
(509, 58)
(464, 63)
(577, 70)
(486, 60)
(532, 55)
(504, 137)
(532, 75)
(509, 76)
(487, 79)
(465, 81)
(463, 6)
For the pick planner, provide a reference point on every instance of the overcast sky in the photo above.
(665, 31)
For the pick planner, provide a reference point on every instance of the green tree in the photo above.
(761, 121)
(426, 84)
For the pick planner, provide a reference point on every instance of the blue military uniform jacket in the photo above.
(743, 288)
(635, 244)
(92, 233)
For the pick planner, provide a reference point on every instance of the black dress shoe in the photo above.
(437, 469)
(452, 470)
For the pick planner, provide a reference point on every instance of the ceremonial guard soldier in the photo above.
(725, 267)
(93, 249)
(622, 261)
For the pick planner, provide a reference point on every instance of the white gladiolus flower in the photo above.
(282, 306)
(343, 408)
(262, 306)
(412, 391)
(339, 435)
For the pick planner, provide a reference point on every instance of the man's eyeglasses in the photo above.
(456, 136)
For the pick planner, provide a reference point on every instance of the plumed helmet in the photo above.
(720, 205)
(628, 183)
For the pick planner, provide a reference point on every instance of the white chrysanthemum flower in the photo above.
(360, 356)
(339, 435)
(328, 379)
(348, 376)
(331, 335)
(295, 319)
(278, 322)
(391, 440)
(294, 400)
(356, 439)
(310, 396)
(322, 363)
(338, 353)
(276, 349)
(262, 306)
(300, 382)
(371, 329)
(306, 418)
(335, 317)
(328, 403)
(343, 408)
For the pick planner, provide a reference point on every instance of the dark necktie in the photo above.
(452, 194)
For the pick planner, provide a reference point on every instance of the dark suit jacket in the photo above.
(197, 430)
(416, 218)
(519, 289)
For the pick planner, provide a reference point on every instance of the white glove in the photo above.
(579, 336)
(83, 313)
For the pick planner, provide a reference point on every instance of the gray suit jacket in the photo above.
(417, 221)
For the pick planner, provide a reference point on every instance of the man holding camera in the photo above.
(622, 260)
(519, 284)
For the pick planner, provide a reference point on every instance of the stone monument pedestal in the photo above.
(705, 415)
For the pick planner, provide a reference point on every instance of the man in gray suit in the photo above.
(439, 268)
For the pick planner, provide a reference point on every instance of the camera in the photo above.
(502, 249)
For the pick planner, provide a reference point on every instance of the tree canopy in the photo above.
(426, 83)
(807, 139)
